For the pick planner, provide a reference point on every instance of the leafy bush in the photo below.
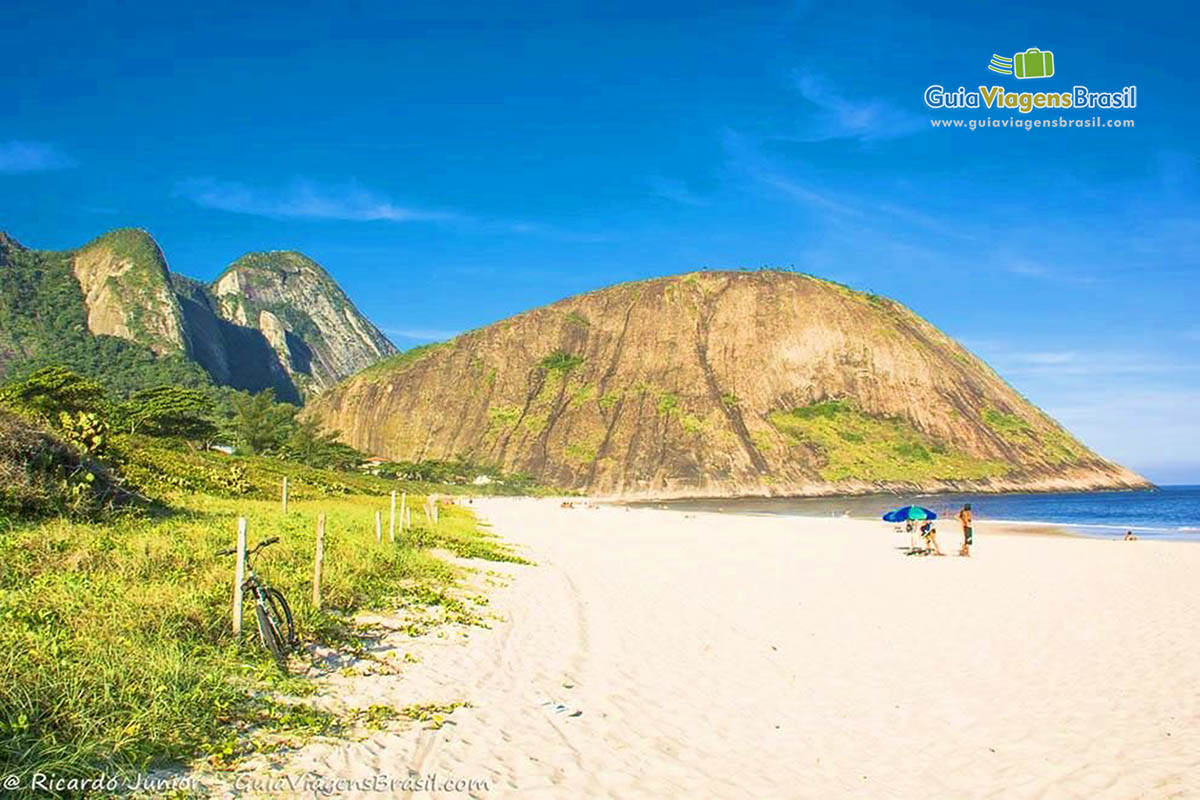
(40, 475)
(49, 392)
(560, 361)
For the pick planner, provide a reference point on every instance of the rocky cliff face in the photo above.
(315, 331)
(717, 383)
(272, 320)
(127, 291)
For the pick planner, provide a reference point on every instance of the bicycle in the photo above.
(276, 629)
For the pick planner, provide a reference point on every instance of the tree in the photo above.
(308, 445)
(52, 391)
(259, 424)
(170, 411)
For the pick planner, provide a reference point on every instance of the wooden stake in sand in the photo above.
(392, 519)
(318, 561)
(239, 577)
(378, 527)
(284, 494)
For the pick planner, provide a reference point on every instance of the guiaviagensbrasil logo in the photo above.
(1033, 63)
(1030, 63)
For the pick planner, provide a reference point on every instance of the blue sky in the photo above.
(452, 164)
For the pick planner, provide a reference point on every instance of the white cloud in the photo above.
(304, 199)
(23, 156)
(839, 117)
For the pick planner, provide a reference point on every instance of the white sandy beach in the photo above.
(736, 656)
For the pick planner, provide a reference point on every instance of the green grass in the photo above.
(1053, 446)
(858, 446)
(116, 635)
(1007, 425)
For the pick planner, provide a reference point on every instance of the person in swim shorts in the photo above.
(965, 518)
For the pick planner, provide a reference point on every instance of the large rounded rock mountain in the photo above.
(716, 383)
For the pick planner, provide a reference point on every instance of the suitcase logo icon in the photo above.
(1033, 63)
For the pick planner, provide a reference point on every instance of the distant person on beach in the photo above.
(929, 533)
(964, 517)
(1129, 537)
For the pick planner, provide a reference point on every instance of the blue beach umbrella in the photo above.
(909, 512)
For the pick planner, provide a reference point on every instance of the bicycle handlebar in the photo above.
(264, 543)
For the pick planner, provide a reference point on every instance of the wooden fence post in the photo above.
(285, 494)
(403, 509)
(435, 509)
(378, 527)
(320, 558)
(239, 577)
(392, 519)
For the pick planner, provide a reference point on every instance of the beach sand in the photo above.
(733, 656)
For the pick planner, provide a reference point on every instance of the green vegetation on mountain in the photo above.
(851, 445)
(43, 322)
(113, 311)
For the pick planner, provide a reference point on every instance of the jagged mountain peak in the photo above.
(310, 322)
(7, 241)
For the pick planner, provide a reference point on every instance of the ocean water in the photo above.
(1170, 512)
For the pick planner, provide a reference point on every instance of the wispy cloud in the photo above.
(1025, 267)
(421, 334)
(674, 190)
(1051, 358)
(839, 117)
(24, 156)
(1101, 362)
(545, 231)
(1102, 393)
(351, 201)
(862, 213)
(304, 199)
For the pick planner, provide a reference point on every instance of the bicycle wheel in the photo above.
(283, 617)
(269, 632)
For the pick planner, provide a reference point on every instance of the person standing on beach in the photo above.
(964, 517)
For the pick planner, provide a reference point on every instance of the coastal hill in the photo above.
(714, 384)
(271, 320)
